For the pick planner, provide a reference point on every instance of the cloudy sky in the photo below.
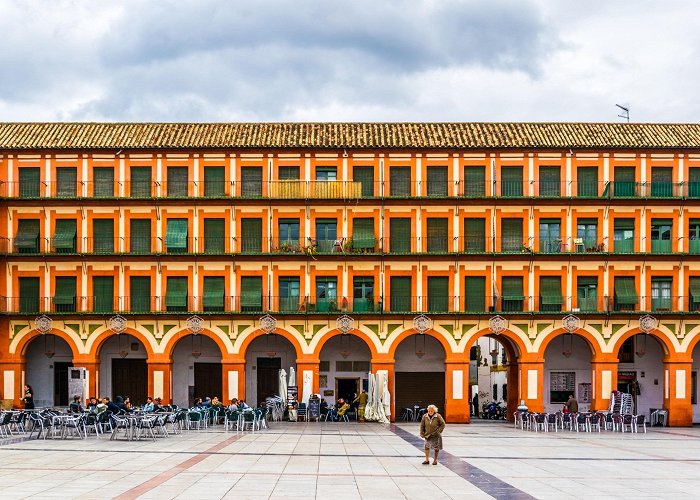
(359, 60)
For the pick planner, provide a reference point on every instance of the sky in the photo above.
(359, 60)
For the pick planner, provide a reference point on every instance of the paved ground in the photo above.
(340, 461)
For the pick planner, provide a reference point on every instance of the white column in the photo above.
(159, 175)
(198, 190)
(455, 175)
(530, 174)
(121, 175)
(83, 188)
(419, 175)
(568, 176)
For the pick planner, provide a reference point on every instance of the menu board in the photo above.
(314, 408)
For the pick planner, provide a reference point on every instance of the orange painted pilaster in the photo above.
(457, 402)
(604, 377)
(12, 389)
(307, 365)
(531, 379)
(233, 383)
(388, 365)
(160, 376)
(677, 392)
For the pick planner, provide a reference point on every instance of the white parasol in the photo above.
(307, 379)
(370, 413)
(292, 376)
(379, 392)
(283, 385)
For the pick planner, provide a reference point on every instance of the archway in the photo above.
(123, 368)
(345, 362)
(197, 371)
(48, 358)
(419, 377)
(567, 371)
(640, 372)
(264, 357)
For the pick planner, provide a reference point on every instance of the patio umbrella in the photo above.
(386, 397)
(307, 379)
(369, 408)
(292, 376)
(283, 384)
(379, 392)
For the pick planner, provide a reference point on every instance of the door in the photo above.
(130, 379)
(268, 378)
(60, 383)
(346, 388)
(207, 380)
(419, 388)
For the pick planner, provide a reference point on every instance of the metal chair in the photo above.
(640, 420)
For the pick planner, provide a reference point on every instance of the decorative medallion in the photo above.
(43, 324)
(117, 324)
(422, 323)
(647, 323)
(497, 324)
(268, 323)
(571, 323)
(345, 324)
(195, 324)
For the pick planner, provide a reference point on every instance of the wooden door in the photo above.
(268, 378)
(60, 383)
(130, 379)
(419, 388)
(207, 380)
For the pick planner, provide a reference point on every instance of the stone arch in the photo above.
(394, 340)
(96, 343)
(170, 340)
(667, 344)
(371, 345)
(241, 345)
(516, 342)
(24, 340)
(592, 341)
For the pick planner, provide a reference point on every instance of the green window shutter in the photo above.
(437, 234)
(400, 181)
(512, 288)
(177, 182)
(587, 181)
(363, 234)
(401, 290)
(550, 181)
(214, 235)
(140, 235)
(475, 291)
(29, 295)
(141, 182)
(176, 236)
(624, 181)
(625, 293)
(474, 235)
(550, 290)
(693, 182)
(176, 293)
(103, 235)
(365, 176)
(693, 285)
(251, 235)
(474, 181)
(140, 293)
(29, 182)
(27, 237)
(661, 181)
(437, 181)
(438, 294)
(64, 237)
(103, 182)
(64, 295)
(103, 293)
(251, 293)
(400, 235)
(214, 182)
(213, 293)
(288, 173)
(511, 235)
(251, 181)
(66, 182)
(511, 181)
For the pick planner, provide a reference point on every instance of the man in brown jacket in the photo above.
(572, 404)
(431, 427)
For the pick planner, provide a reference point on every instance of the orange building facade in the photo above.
(180, 261)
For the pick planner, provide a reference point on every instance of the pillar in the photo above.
(457, 402)
(12, 389)
(93, 369)
(233, 384)
(160, 378)
(513, 384)
(677, 392)
(604, 380)
(307, 368)
(531, 378)
(388, 366)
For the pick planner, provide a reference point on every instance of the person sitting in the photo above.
(242, 405)
(102, 405)
(215, 403)
(234, 405)
(119, 403)
(150, 405)
(92, 404)
(198, 403)
(75, 406)
(206, 403)
(343, 407)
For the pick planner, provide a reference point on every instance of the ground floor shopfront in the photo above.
(238, 358)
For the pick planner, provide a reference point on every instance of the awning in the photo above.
(550, 291)
(64, 237)
(625, 292)
(213, 295)
(27, 234)
(176, 235)
(176, 294)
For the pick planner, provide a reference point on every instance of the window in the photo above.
(694, 236)
(624, 236)
(494, 392)
(66, 182)
(661, 294)
(550, 181)
(251, 294)
(214, 182)
(561, 386)
(288, 173)
(28, 295)
(587, 293)
(474, 235)
(625, 294)
(141, 185)
(661, 235)
(326, 234)
(505, 391)
(251, 235)
(363, 235)
(693, 182)
(140, 293)
(29, 182)
(140, 235)
(214, 236)
(400, 235)
(176, 294)
(438, 294)
(437, 181)
(343, 366)
(694, 289)
(288, 230)
(361, 366)
(512, 293)
(103, 235)
(177, 182)
(474, 181)
(64, 299)
(511, 235)
(550, 235)
(176, 236)
(475, 293)
(587, 231)
(400, 181)
(289, 294)
(324, 366)
(27, 237)
(624, 184)
(103, 294)
(661, 182)
(587, 181)
(251, 182)
(326, 173)
(550, 293)
(511, 181)
(400, 289)
(103, 182)
(213, 293)
(326, 294)
(363, 294)
(64, 238)
(437, 235)
(365, 176)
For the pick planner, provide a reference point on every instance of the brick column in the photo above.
(233, 384)
(532, 381)
(604, 380)
(160, 376)
(310, 367)
(677, 392)
(388, 365)
(457, 402)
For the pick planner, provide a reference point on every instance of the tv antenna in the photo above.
(625, 112)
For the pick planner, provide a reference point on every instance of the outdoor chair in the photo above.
(194, 419)
(146, 426)
(18, 420)
(232, 419)
(260, 418)
(5, 419)
(552, 421)
(617, 422)
(119, 423)
(640, 420)
(301, 412)
(566, 420)
(539, 421)
(594, 420)
(74, 426)
(248, 420)
(580, 422)
(92, 422)
(39, 423)
(609, 422)
(627, 422)
(160, 424)
(104, 421)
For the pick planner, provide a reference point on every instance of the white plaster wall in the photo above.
(696, 368)
(358, 351)
(432, 361)
(259, 348)
(39, 369)
(651, 384)
(579, 362)
(183, 365)
(110, 350)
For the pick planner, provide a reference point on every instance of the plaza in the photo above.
(331, 460)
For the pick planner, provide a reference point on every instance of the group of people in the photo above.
(119, 405)
(342, 406)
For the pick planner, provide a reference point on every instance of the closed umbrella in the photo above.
(308, 379)
(379, 392)
(292, 376)
(386, 398)
(283, 385)
(370, 414)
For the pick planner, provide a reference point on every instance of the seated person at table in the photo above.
(242, 405)
(112, 406)
(102, 405)
(207, 402)
(234, 405)
(343, 407)
(323, 407)
(150, 405)
(198, 403)
(127, 404)
(92, 404)
(215, 403)
(75, 406)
